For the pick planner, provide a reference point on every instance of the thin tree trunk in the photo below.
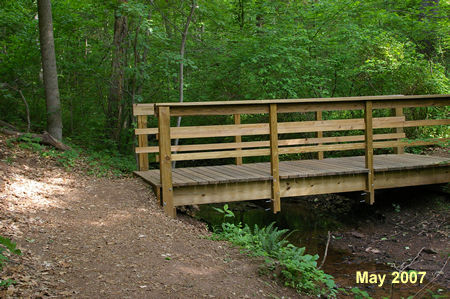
(54, 120)
(116, 91)
(429, 11)
(27, 109)
(181, 73)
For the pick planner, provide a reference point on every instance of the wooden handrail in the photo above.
(274, 147)
(293, 105)
(305, 100)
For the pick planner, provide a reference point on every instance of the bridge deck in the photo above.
(209, 175)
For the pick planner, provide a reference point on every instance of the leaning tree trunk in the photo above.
(184, 35)
(54, 120)
(115, 112)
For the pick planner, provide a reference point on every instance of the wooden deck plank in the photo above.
(235, 174)
(199, 171)
(221, 178)
(195, 175)
(205, 175)
(400, 161)
(287, 172)
(247, 172)
(263, 168)
(330, 164)
(303, 169)
(354, 164)
(150, 176)
(306, 169)
(320, 167)
(182, 180)
(405, 162)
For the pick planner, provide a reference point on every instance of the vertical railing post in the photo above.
(237, 121)
(274, 160)
(399, 149)
(319, 134)
(369, 152)
(142, 142)
(165, 160)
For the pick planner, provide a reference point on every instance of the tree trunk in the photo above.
(116, 90)
(429, 10)
(181, 73)
(54, 120)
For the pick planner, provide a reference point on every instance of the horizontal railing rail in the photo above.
(279, 139)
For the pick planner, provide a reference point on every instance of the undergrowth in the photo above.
(297, 269)
(97, 163)
(6, 245)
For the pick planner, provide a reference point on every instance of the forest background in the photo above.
(111, 54)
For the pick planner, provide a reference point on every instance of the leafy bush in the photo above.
(6, 245)
(298, 270)
(360, 294)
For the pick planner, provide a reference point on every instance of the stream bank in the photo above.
(407, 228)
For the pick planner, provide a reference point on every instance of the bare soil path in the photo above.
(87, 237)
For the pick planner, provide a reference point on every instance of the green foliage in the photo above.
(109, 162)
(227, 213)
(360, 294)
(99, 163)
(298, 270)
(235, 50)
(396, 207)
(436, 294)
(6, 245)
(27, 141)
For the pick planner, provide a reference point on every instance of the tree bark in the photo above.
(184, 35)
(116, 91)
(54, 120)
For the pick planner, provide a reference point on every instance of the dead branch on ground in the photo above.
(326, 250)
(44, 138)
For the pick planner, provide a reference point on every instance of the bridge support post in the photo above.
(165, 160)
(319, 134)
(368, 119)
(399, 149)
(237, 121)
(142, 142)
(274, 160)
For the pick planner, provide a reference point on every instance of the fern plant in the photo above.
(299, 270)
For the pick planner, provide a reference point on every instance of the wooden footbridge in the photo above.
(285, 130)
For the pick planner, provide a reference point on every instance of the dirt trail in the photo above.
(85, 237)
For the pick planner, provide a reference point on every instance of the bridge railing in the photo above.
(292, 133)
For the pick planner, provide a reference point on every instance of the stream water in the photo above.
(311, 218)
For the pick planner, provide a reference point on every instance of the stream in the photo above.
(311, 218)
